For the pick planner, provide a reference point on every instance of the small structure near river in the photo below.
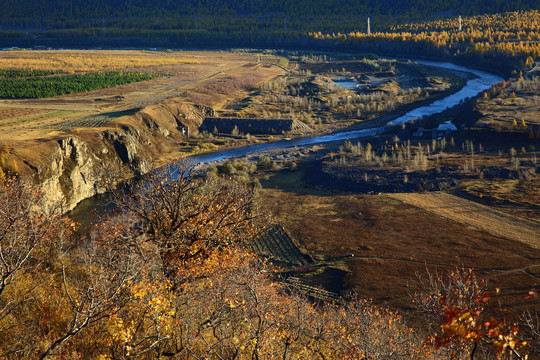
(253, 126)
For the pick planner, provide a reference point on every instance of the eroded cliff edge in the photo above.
(75, 165)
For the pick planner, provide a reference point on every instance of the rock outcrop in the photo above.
(71, 175)
(76, 164)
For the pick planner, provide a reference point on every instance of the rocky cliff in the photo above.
(78, 163)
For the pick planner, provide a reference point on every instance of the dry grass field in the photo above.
(393, 241)
(25, 124)
(476, 215)
(82, 61)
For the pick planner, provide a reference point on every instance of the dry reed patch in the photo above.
(75, 61)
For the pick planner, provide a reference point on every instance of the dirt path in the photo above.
(480, 216)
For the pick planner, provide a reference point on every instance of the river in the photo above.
(473, 87)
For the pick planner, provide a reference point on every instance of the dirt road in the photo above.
(477, 215)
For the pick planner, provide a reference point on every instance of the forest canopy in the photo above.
(170, 23)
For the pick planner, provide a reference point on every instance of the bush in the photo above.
(264, 163)
(226, 168)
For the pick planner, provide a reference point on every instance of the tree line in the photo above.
(500, 40)
(19, 84)
(255, 22)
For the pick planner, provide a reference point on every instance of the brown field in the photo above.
(25, 124)
(517, 197)
(393, 241)
(477, 215)
(7, 113)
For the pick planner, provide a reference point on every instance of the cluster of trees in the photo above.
(11, 73)
(167, 23)
(396, 154)
(166, 275)
(34, 83)
(513, 35)
(514, 32)
(424, 155)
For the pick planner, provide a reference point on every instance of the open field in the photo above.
(392, 242)
(477, 215)
(82, 61)
(24, 123)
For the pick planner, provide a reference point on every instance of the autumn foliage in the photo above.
(469, 320)
(510, 35)
(166, 275)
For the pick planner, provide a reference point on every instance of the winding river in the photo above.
(472, 88)
(482, 82)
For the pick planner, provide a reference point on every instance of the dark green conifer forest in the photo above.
(208, 23)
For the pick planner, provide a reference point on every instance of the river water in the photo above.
(473, 87)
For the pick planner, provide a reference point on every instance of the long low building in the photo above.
(253, 126)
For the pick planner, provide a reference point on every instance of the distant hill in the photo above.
(215, 22)
(72, 11)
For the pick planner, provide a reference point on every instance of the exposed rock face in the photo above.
(71, 176)
(126, 144)
(74, 169)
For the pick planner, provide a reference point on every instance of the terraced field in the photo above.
(302, 273)
(277, 245)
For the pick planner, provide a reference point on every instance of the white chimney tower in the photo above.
(368, 27)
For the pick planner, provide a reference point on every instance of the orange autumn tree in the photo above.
(469, 321)
(201, 295)
(32, 233)
(60, 296)
(183, 218)
(237, 311)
